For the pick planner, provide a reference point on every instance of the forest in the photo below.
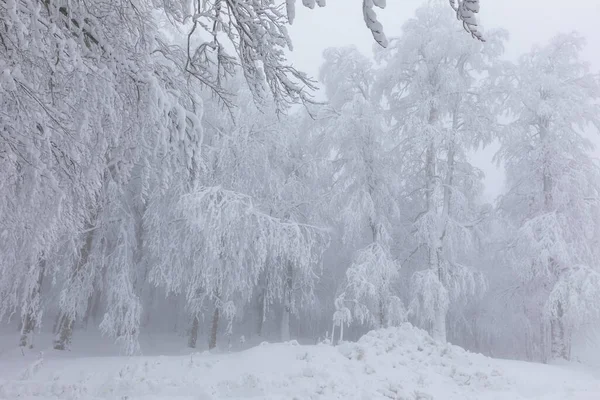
(164, 168)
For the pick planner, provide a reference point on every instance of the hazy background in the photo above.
(528, 21)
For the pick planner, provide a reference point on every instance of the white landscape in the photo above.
(401, 363)
(275, 199)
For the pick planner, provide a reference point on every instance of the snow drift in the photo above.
(402, 363)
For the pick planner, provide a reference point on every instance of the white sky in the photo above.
(529, 22)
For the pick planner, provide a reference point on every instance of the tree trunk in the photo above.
(93, 307)
(194, 332)
(29, 319)
(261, 312)
(62, 341)
(287, 305)
(56, 324)
(559, 340)
(285, 324)
(26, 332)
(439, 326)
(382, 323)
(151, 296)
(447, 212)
(333, 333)
(212, 343)
(546, 173)
(429, 197)
(559, 346)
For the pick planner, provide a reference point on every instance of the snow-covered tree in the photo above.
(440, 108)
(370, 290)
(90, 101)
(465, 12)
(553, 185)
(245, 215)
(222, 244)
(365, 185)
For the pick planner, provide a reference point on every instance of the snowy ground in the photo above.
(402, 363)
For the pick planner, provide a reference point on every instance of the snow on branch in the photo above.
(465, 12)
(430, 298)
(257, 30)
(224, 242)
(574, 299)
(369, 290)
(371, 20)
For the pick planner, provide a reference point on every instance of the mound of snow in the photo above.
(402, 363)
(424, 365)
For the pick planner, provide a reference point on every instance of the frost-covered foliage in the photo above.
(257, 31)
(150, 180)
(223, 243)
(369, 290)
(574, 300)
(244, 235)
(364, 186)
(553, 184)
(440, 108)
(360, 148)
(88, 100)
(465, 12)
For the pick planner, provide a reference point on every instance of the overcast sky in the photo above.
(529, 22)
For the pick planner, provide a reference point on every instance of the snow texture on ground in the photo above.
(396, 363)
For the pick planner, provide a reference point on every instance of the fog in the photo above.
(529, 23)
(181, 177)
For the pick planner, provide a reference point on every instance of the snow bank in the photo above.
(413, 363)
(401, 363)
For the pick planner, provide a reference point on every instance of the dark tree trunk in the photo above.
(287, 304)
(64, 335)
(194, 332)
(212, 343)
(29, 320)
(560, 345)
(382, 323)
(261, 312)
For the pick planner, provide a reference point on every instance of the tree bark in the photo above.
(438, 328)
(29, 319)
(212, 343)
(560, 344)
(287, 305)
(62, 340)
(65, 323)
(430, 187)
(194, 332)
(559, 340)
(261, 312)
(382, 323)
(285, 324)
